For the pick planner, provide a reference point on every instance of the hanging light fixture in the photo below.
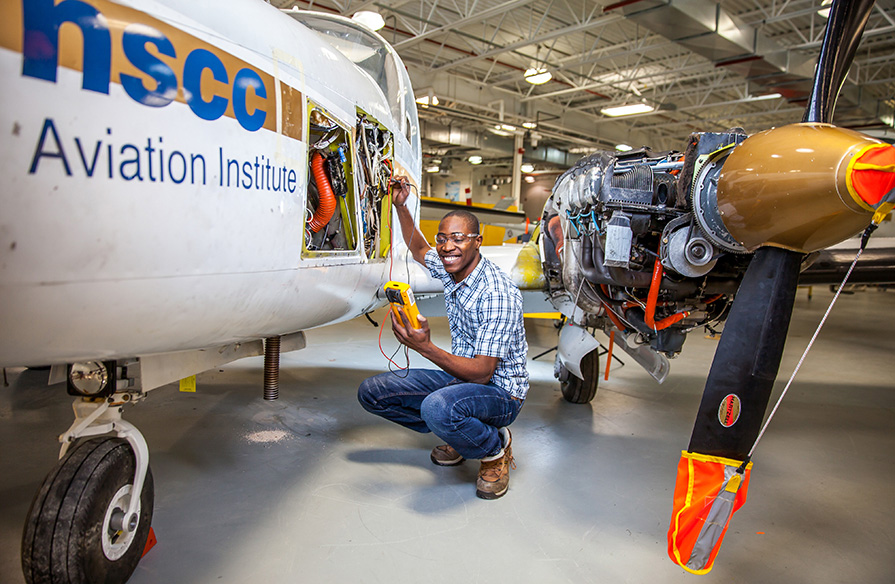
(627, 110)
(427, 100)
(372, 20)
(537, 73)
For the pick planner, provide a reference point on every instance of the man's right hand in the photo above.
(413, 237)
(400, 191)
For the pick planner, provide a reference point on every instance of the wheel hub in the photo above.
(116, 538)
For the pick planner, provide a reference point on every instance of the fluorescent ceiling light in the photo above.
(623, 148)
(529, 179)
(627, 110)
(432, 169)
(425, 100)
(372, 20)
(530, 125)
(766, 96)
(527, 167)
(475, 159)
(507, 127)
(537, 75)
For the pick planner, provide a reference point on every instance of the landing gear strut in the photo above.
(90, 519)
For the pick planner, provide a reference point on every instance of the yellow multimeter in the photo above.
(399, 294)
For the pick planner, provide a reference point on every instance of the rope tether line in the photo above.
(864, 238)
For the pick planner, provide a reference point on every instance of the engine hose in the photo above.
(606, 296)
(573, 280)
(554, 233)
(590, 259)
(652, 298)
(327, 205)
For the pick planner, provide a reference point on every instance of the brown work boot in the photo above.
(494, 474)
(445, 455)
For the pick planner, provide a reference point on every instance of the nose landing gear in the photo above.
(90, 519)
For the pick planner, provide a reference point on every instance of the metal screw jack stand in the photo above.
(272, 368)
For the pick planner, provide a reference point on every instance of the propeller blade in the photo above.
(748, 357)
(845, 26)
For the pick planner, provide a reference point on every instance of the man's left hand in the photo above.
(416, 339)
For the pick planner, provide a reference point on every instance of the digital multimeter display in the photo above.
(400, 295)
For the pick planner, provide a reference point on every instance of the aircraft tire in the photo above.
(579, 391)
(67, 535)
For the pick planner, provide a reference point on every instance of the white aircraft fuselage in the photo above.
(155, 166)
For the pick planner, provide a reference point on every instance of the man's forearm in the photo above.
(413, 237)
(478, 369)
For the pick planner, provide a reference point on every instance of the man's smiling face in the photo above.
(458, 257)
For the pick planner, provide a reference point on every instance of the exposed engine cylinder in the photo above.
(660, 241)
(623, 217)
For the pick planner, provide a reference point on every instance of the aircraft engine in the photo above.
(701, 214)
(611, 216)
(648, 246)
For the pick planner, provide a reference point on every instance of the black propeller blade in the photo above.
(748, 356)
(844, 29)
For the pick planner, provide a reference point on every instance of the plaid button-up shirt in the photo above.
(485, 316)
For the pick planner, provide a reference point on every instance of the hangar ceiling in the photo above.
(702, 65)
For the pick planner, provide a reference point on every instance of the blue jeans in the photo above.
(465, 415)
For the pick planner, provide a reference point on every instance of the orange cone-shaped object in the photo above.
(709, 490)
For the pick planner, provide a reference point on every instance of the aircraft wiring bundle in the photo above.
(391, 363)
(345, 215)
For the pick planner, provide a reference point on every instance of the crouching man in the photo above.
(478, 392)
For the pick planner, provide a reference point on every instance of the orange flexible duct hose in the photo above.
(653, 296)
(327, 205)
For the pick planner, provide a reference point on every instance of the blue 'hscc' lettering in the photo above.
(40, 52)
(134, 41)
(196, 63)
(42, 19)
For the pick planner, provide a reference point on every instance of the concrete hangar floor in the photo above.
(311, 488)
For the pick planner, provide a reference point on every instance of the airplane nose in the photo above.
(801, 187)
